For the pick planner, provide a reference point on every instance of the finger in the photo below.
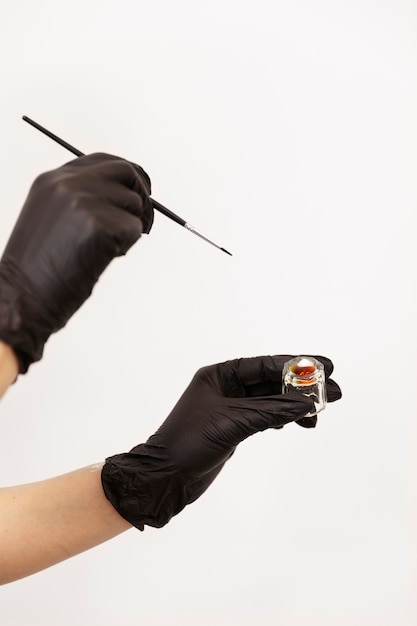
(128, 200)
(307, 422)
(333, 393)
(135, 179)
(144, 175)
(327, 363)
(260, 413)
(333, 390)
(274, 386)
(252, 376)
(119, 229)
(110, 166)
(117, 174)
(125, 173)
(90, 159)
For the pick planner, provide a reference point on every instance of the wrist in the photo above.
(9, 367)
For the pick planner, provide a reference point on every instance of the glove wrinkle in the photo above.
(75, 221)
(220, 409)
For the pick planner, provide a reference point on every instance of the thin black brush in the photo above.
(156, 205)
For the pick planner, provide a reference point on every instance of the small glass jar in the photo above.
(305, 374)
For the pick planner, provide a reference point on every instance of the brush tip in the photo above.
(227, 251)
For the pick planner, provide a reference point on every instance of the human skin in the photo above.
(8, 367)
(75, 220)
(46, 522)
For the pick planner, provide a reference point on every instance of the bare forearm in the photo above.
(8, 367)
(47, 522)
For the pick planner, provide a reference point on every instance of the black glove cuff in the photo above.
(143, 487)
(20, 326)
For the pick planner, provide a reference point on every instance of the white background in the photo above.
(287, 131)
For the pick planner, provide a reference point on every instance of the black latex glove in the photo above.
(223, 405)
(75, 220)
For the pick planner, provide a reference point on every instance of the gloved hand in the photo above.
(75, 220)
(223, 405)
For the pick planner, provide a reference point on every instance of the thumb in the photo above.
(251, 415)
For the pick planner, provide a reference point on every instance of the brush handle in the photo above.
(156, 205)
(162, 209)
